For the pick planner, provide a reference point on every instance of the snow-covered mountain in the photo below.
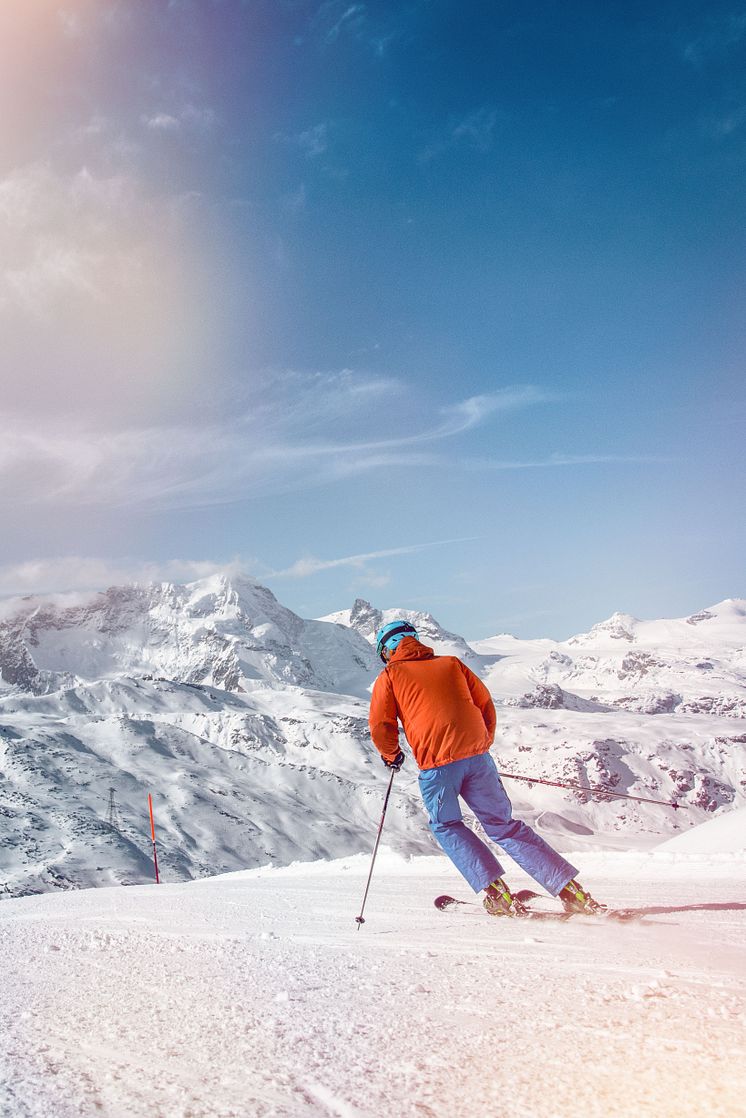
(246, 722)
(695, 664)
(366, 620)
(227, 633)
(249, 726)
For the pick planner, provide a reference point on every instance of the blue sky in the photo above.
(435, 304)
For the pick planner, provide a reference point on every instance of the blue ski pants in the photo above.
(476, 781)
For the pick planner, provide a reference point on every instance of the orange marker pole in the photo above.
(152, 832)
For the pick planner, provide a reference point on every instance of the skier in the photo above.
(448, 717)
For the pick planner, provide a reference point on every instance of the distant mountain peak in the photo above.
(364, 617)
(618, 627)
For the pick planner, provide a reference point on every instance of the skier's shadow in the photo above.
(659, 910)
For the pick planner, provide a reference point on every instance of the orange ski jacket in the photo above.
(445, 710)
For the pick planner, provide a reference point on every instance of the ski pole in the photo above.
(152, 832)
(594, 791)
(359, 919)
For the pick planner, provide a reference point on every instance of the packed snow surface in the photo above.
(254, 995)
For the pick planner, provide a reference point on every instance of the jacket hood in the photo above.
(411, 649)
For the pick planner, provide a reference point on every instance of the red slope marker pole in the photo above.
(152, 832)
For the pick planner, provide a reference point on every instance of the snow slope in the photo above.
(249, 726)
(254, 996)
(726, 831)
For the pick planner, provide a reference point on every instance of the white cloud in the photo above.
(60, 238)
(374, 26)
(476, 409)
(719, 35)
(334, 16)
(99, 290)
(312, 141)
(475, 130)
(309, 565)
(75, 572)
(189, 116)
(724, 125)
(161, 122)
(63, 234)
(295, 431)
(87, 574)
(56, 270)
(560, 460)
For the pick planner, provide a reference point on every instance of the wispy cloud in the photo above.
(312, 142)
(161, 122)
(188, 116)
(67, 236)
(476, 130)
(476, 409)
(98, 287)
(560, 460)
(309, 565)
(86, 574)
(295, 431)
(719, 35)
(724, 124)
(375, 27)
(337, 16)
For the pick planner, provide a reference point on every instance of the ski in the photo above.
(444, 903)
(527, 897)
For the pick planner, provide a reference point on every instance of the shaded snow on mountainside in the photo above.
(249, 726)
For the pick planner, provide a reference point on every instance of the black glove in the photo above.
(397, 762)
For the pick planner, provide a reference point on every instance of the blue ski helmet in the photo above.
(389, 636)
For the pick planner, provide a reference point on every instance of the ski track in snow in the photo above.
(254, 994)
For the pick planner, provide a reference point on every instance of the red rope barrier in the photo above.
(594, 791)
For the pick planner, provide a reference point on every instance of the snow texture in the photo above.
(254, 994)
